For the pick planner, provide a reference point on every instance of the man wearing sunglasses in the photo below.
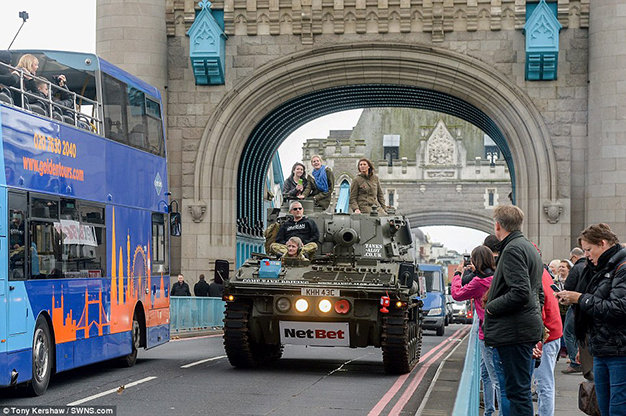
(298, 226)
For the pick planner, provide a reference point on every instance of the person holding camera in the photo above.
(478, 272)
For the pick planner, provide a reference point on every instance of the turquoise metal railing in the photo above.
(247, 245)
(468, 395)
(191, 313)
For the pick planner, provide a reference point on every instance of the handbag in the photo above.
(587, 399)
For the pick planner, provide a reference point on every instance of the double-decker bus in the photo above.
(84, 222)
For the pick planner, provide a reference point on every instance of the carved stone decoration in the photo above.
(553, 210)
(440, 146)
(197, 210)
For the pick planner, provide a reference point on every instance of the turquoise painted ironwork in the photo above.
(542, 42)
(191, 313)
(246, 245)
(207, 47)
(343, 201)
(468, 395)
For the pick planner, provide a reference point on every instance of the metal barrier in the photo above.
(191, 313)
(468, 395)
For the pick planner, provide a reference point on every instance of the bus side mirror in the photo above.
(175, 224)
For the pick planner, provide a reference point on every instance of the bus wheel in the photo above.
(130, 359)
(42, 358)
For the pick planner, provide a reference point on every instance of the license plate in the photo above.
(315, 291)
(322, 334)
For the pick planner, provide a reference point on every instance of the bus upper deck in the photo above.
(86, 91)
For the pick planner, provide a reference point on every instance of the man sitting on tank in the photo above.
(298, 226)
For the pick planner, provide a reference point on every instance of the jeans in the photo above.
(544, 375)
(610, 378)
(516, 362)
(491, 386)
(503, 401)
(570, 338)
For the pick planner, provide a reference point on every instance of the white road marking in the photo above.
(106, 393)
(202, 361)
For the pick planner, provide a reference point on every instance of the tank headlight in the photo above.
(302, 305)
(325, 306)
(283, 305)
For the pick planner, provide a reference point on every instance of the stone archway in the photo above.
(421, 66)
(452, 218)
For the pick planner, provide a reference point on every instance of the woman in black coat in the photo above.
(600, 314)
(298, 184)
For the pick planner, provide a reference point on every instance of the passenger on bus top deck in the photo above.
(28, 65)
(7, 78)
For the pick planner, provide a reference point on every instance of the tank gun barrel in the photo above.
(346, 237)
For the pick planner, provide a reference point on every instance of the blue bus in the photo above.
(434, 308)
(84, 216)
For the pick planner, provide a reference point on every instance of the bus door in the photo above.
(16, 295)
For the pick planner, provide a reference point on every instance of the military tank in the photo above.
(360, 289)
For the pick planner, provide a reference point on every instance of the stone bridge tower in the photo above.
(286, 63)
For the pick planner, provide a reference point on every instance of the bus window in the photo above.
(136, 115)
(66, 245)
(159, 243)
(92, 241)
(114, 100)
(155, 127)
(17, 236)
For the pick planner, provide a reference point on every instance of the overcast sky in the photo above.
(70, 25)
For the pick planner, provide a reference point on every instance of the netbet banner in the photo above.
(323, 334)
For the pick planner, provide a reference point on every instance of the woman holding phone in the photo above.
(298, 184)
(600, 314)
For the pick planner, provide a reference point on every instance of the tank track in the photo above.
(402, 340)
(241, 350)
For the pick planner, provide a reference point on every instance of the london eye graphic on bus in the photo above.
(135, 264)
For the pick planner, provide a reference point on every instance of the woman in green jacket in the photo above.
(365, 190)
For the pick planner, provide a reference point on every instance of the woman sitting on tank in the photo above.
(365, 190)
(324, 183)
(297, 185)
(294, 249)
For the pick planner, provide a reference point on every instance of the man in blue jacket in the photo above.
(513, 323)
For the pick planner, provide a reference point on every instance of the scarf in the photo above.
(320, 178)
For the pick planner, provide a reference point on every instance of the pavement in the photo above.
(566, 403)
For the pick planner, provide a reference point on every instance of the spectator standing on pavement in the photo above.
(481, 270)
(600, 314)
(513, 322)
(180, 288)
(493, 243)
(216, 288)
(553, 268)
(544, 374)
(201, 288)
(576, 256)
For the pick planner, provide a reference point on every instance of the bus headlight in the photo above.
(283, 305)
(302, 305)
(325, 306)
